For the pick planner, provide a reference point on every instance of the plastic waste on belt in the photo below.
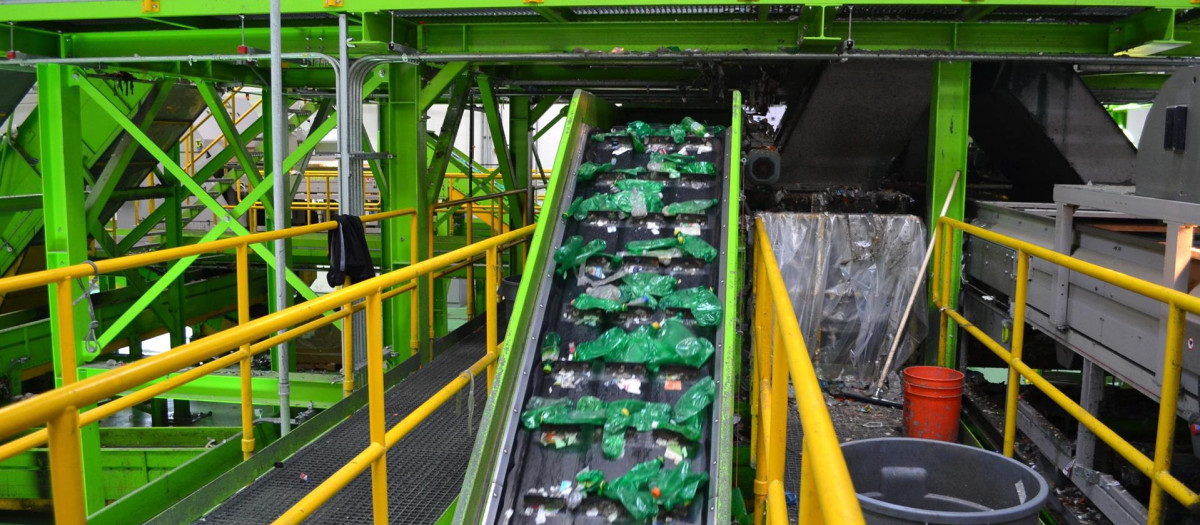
(689, 207)
(574, 253)
(646, 487)
(701, 301)
(551, 345)
(669, 343)
(616, 416)
(588, 170)
(689, 244)
(621, 201)
(674, 164)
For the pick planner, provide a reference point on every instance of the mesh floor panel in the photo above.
(425, 469)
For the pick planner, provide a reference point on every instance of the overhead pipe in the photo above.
(281, 198)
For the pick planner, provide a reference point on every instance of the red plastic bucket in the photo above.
(932, 402)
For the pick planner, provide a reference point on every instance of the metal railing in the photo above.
(1178, 305)
(826, 491)
(58, 409)
(374, 456)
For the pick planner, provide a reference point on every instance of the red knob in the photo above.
(1194, 428)
(11, 55)
(243, 50)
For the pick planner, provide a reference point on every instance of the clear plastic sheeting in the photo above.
(848, 276)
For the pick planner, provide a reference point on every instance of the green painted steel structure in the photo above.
(525, 54)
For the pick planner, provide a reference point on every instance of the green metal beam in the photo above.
(491, 109)
(114, 170)
(62, 169)
(440, 81)
(1147, 33)
(224, 388)
(949, 114)
(543, 105)
(110, 9)
(402, 133)
(443, 150)
(213, 100)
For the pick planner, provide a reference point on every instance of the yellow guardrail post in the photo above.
(66, 467)
(414, 304)
(348, 348)
(762, 471)
(493, 270)
(761, 297)
(1172, 368)
(375, 406)
(809, 508)
(778, 507)
(779, 398)
(470, 267)
(944, 294)
(247, 376)
(1017, 344)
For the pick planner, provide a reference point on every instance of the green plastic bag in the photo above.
(650, 417)
(695, 400)
(633, 492)
(701, 301)
(587, 302)
(688, 244)
(543, 411)
(613, 340)
(640, 346)
(619, 202)
(574, 253)
(618, 415)
(641, 247)
(645, 186)
(638, 131)
(590, 479)
(631, 172)
(698, 168)
(651, 284)
(678, 133)
(541, 408)
(689, 207)
(551, 345)
(678, 486)
(677, 345)
(588, 170)
(698, 248)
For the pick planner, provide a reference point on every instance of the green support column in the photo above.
(270, 222)
(520, 143)
(403, 135)
(66, 235)
(949, 112)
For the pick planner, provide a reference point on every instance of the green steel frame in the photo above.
(54, 153)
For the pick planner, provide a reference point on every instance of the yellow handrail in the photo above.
(826, 491)
(58, 409)
(1178, 304)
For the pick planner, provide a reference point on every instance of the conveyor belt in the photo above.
(425, 469)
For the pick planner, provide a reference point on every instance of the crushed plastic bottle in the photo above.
(645, 186)
(689, 244)
(574, 253)
(696, 399)
(637, 203)
(702, 302)
(621, 201)
(693, 207)
(651, 284)
(551, 344)
(588, 170)
(698, 168)
(588, 302)
(606, 291)
(678, 133)
(694, 127)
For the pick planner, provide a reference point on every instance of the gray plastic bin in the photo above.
(906, 481)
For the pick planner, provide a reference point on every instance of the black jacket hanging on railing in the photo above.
(348, 252)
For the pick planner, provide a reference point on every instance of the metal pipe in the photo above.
(84, 61)
(278, 150)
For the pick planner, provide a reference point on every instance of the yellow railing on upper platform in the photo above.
(1178, 304)
(826, 492)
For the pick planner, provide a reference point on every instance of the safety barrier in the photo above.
(826, 491)
(1178, 305)
(59, 408)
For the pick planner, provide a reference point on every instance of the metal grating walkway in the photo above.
(425, 469)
